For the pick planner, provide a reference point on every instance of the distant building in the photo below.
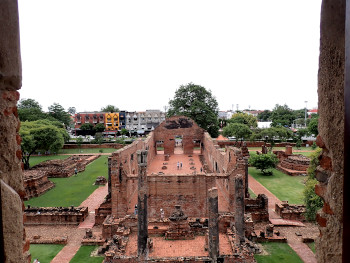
(255, 113)
(313, 111)
(264, 124)
(134, 122)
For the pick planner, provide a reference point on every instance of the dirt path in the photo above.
(304, 252)
(77, 234)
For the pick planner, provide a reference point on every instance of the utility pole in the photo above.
(305, 111)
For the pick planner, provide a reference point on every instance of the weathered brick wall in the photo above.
(16, 247)
(123, 173)
(290, 212)
(189, 191)
(178, 126)
(89, 146)
(331, 130)
(55, 215)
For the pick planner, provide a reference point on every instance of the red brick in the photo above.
(15, 111)
(19, 154)
(18, 139)
(320, 190)
(321, 220)
(326, 162)
(327, 209)
(320, 142)
(26, 246)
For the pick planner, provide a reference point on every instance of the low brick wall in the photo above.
(94, 146)
(258, 208)
(290, 212)
(55, 215)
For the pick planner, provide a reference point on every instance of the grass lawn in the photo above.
(312, 246)
(252, 195)
(278, 252)
(83, 255)
(72, 190)
(283, 186)
(44, 252)
(92, 150)
(34, 160)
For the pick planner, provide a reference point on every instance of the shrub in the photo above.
(314, 146)
(264, 162)
(312, 201)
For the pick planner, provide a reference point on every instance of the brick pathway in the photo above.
(73, 244)
(296, 244)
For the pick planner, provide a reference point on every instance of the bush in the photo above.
(314, 146)
(264, 162)
(312, 201)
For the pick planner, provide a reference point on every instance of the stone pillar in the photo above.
(13, 245)
(213, 224)
(239, 209)
(289, 150)
(142, 223)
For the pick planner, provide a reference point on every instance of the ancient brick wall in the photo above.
(331, 130)
(89, 146)
(189, 191)
(123, 173)
(290, 212)
(16, 247)
(55, 215)
(178, 126)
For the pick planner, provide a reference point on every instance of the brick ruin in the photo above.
(36, 179)
(292, 164)
(290, 212)
(203, 201)
(331, 110)
(55, 215)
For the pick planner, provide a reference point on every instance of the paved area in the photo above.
(77, 233)
(304, 252)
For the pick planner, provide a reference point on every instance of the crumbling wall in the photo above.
(331, 130)
(178, 126)
(123, 170)
(55, 215)
(16, 247)
(189, 191)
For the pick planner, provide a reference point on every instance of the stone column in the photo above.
(289, 150)
(13, 244)
(239, 209)
(213, 224)
(142, 231)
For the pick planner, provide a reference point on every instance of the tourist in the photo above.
(178, 165)
(36, 261)
(162, 214)
(181, 165)
(135, 212)
(75, 171)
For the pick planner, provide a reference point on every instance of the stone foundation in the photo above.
(55, 215)
(290, 212)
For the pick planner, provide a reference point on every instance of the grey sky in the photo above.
(135, 54)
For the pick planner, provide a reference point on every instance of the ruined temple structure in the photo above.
(185, 203)
(292, 164)
(36, 179)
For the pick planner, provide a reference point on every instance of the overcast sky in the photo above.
(135, 54)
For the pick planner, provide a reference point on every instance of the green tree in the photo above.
(110, 108)
(273, 133)
(98, 138)
(40, 135)
(30, 110)
(124, 131)
(58, 112)
(72, 111)
(313, 126)
(244, 118)
(87, 127)
(80, 141)
(312, 201)
(264, 116)
(199, 104)
(238, 130)
(99, 127)
(282, 116)
(264, 162)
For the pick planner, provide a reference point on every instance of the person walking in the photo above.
(181, 165)
(178, 165)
